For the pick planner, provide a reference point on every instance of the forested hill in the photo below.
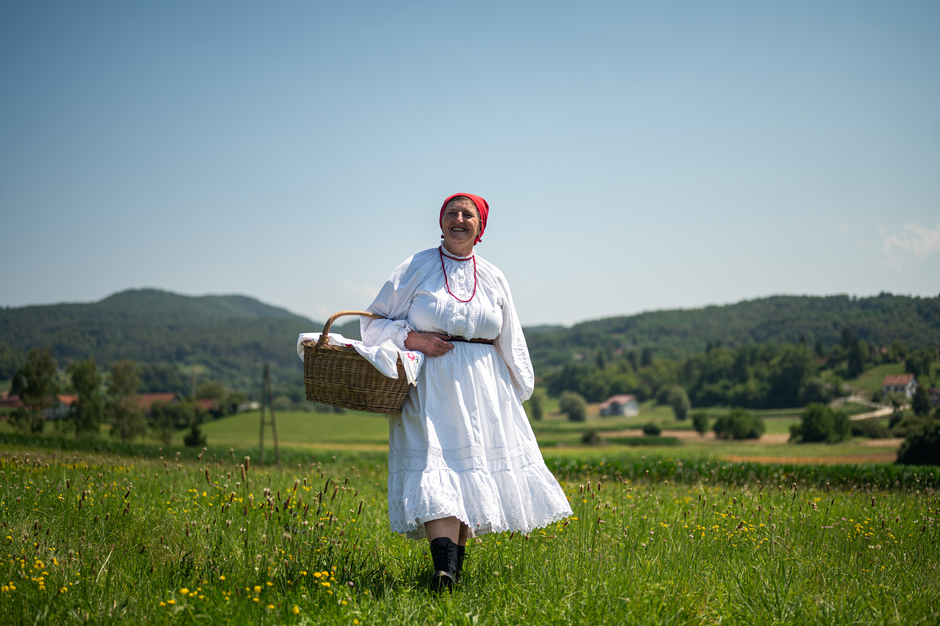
(228, 337)
(679, 334)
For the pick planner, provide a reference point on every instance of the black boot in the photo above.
(461, 552)
(444, 553)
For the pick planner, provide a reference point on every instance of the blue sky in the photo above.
(636, 156)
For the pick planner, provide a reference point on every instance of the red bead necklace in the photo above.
(447, 286)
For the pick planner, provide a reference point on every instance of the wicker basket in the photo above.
(340, 376)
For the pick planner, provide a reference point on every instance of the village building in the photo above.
(899, 383)
(620, 405)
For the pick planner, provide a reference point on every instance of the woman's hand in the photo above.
(431, 344)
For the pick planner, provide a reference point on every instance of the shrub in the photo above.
(679, 400)
(651, 430)
(920, 403)
(591, 438)
(739, 424)
(820, 423)
(573, 405)
(905, 425)
(700, 422)
(870, 429)
(922, 445)
(194, 437)
(535, 405)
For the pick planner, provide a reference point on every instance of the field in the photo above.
(108, 533)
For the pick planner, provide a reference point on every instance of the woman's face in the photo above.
(460, 224)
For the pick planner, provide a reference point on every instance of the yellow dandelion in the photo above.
(327, 585)
(171, 601)
(270, 606)
(257, 588)
(296, 609)
(184, 591)
(221, 577)
(269, 584)
(63, 589)
(163, 604)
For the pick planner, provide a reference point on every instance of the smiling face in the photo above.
(460, 225)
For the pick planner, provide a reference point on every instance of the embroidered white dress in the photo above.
(462, 445)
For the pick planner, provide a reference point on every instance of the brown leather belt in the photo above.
(488, 342)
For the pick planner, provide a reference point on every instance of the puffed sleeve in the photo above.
(511, 343)
(393, 302)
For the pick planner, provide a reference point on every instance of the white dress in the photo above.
(463, 446)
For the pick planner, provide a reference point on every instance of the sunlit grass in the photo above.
(108, 538)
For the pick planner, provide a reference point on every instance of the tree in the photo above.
(646, 358)
(87, 410)
(211, 391)
(739, 424)
(122, 405)
(920, 403)
(679, 401)
(922, 445)
(700, 422)
(536, 404)
(820, 423)
(36, 385)
(920, 364)
(573, 405)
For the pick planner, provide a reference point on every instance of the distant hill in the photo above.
(682, 333)
(228, 337)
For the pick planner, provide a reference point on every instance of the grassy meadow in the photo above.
(110, 537)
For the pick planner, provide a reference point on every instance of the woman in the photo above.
(462, 456)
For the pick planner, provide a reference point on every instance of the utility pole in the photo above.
(267, 397)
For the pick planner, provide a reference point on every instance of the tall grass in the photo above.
(116, 535)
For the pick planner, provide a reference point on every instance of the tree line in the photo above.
(109, 399)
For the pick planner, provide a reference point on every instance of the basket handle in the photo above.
(326, 327)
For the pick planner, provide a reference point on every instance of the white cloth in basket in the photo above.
(462, 446)
(384, 357)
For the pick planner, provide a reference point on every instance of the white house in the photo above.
(620, 405)
(899, 383)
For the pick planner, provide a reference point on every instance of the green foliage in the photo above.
(573, 405)
(739, 424)
(871, 429)
(35, 383)
(679, 401)
(681, 334)
(167, 418)
(194, 437)
(211, 390)
(87, 410)
(122, 406)
(821, 423)
(919, 364)
(920, 402)
(651, 429)
(700, 422)
(535, 405)
(922, 445)
(591, 438)
(226, 336)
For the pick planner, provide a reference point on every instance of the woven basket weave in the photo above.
(340, 376)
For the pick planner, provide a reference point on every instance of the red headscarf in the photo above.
(482, 207)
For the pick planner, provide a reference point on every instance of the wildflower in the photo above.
(163, 604)
(257, 588)
(171, 601)
(184, 591)
(270, 606)
(296, 609)
(221, 577)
